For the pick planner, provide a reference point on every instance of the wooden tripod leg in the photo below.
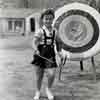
(94, 69)
(81, 66)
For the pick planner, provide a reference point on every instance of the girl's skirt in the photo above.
(46, 58)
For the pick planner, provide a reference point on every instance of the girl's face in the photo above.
(47, 20)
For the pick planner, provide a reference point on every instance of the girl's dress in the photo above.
(46, 51)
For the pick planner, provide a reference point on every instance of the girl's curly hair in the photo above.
(48, 11)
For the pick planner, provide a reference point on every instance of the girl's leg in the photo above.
(39, 78)
(51, 75)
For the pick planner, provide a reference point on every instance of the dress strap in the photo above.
(44, 37)
(53, 38)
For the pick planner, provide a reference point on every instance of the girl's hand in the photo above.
(59, 54)
(58, 58)
(36, 52)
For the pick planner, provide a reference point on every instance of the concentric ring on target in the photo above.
(74, 32)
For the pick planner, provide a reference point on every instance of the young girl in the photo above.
(44, 44)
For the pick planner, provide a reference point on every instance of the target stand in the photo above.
(81, 63)
(81, 68)
(78, 28)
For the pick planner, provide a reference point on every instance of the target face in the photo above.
(78, 28)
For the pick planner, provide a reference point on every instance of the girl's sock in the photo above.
(37, 95)
(49, 94)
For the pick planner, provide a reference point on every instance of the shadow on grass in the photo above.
(64, 97)
(58, 98)
(79, 76)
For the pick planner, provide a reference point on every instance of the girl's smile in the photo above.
(47, 20)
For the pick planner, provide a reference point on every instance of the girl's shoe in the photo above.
(49, 94)
(37, 95)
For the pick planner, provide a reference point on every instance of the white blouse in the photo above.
(39, 37)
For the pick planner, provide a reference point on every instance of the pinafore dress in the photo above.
(46, 51)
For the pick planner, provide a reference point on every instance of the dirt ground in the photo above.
(17, 76)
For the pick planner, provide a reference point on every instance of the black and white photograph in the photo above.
(49, 49)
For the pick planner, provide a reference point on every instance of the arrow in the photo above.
(45, 58)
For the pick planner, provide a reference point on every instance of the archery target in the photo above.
(78, 28)
(74, 32)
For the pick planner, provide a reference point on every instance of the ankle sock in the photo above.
(37, 95)
(49, 94)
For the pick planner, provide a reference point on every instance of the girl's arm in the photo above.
(36, 39)
(58, 44)
(57, 49)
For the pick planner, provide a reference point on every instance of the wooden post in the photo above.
(81, 66)
(94, 69)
